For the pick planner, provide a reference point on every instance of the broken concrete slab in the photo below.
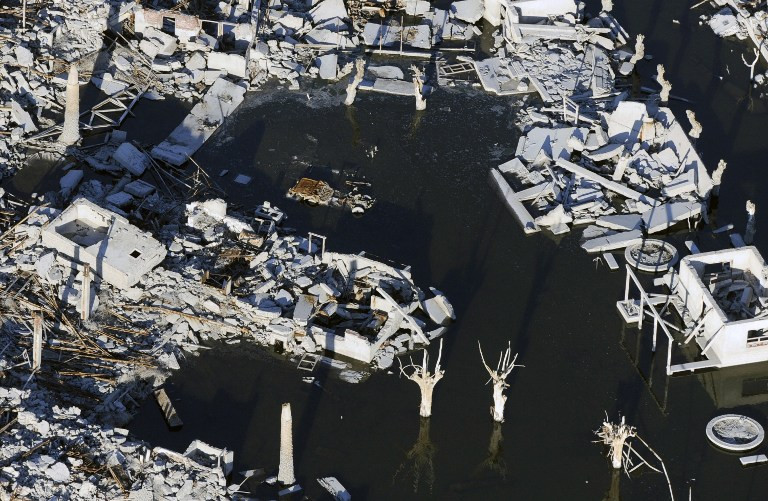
(608, 184)
(519, 211)
(468, 10)
(328, 66)
(131, 159)
(611, 242)
(219, 102)
(661, 217)
(621, 222)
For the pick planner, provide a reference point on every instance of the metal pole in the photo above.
(626, 286)
(669, 357)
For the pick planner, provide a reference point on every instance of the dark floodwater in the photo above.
(437, 213)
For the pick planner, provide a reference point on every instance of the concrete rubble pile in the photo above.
(554, 53)
(314, 40)
(744, 20)
(631, 173)
(33, 59)
(222, 277)
(184, 62)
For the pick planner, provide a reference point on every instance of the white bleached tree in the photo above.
(426, 380)
(499, 378)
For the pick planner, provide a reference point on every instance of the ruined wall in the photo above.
(186, 26)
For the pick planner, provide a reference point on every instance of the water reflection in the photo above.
(419, 461)
(495, 460)
(612, 494)
(737, 386)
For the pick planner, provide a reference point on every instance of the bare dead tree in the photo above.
(356, 79)
(498, 377)
(418, 88)
(426, 380)
(751, 65)
(615, 436)
(666, 86)
(695, 124)
(639, 49)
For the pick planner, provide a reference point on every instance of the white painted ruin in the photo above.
(114, 249)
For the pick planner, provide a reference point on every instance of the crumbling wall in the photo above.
(186, 26)
(351, 345)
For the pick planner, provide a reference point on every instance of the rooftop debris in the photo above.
(316, 192)
(744, 20)
(633, 171)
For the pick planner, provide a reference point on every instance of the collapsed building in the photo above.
(631, 172)
(721, 304)
(744, 20)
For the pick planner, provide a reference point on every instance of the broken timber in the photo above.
(169, 412)
(119, 106)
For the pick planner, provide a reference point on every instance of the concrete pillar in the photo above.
(285, 472)
(37, 342)
(70, 133)
(85, 294)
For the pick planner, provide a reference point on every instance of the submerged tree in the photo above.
(615, 436)
(622, 454)
(639, 49)
(503, 369)
(666, 86)
(717, 176)
(749, 235)
(426, 380)
(418, 89)
(356, 79)
(695, 124)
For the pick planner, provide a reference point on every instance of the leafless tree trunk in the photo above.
(666, 87)
(426, 380)
(352, 87)
(498, 377)
(614, 436)
(639, 50)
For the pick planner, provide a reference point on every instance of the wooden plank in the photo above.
(169, 412)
